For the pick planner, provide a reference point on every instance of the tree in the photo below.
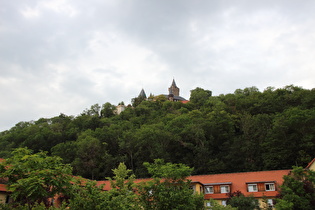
(90, 153)
(122, 194)
(108, 109)
(297, 191)
(237, 199)
(169, 189)
(199, 96)
(35, 178)
(214, 205)
(87, 195)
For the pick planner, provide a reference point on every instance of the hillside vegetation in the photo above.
(245, 131)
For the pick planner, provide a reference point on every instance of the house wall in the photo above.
(263, 203)
(3, 197)
(198, 188)
(312, 167)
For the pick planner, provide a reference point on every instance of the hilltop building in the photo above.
(173, 94)
(142, 94)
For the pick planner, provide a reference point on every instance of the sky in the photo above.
(62, 56)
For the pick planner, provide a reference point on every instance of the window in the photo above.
(225, 188)
(209, 189)
(270, 202)
(252, 188)
(8, 199)
(208, 204)
(223, 203)
(270, 186)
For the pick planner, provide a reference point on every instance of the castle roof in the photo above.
(173, 83)
(176, 98)
(142, 94)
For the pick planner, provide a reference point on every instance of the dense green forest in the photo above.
(248, 130)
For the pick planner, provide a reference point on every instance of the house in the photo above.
(120, 108)
(4, 194)
(259, 184)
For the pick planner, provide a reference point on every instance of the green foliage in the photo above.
(199, 96)
(169, 171)
(35, 178)
(248, 130)
(238, 200)
(87, 195)
(297, 191)
(122, 195)
(214, 205)
(108, 110)
(169, 189)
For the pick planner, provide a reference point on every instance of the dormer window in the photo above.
(225, 188)
(252, 188)
(209, 189)
(270, 187)
(217, 188)
(261, 186)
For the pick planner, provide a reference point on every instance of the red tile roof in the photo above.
(185, 102)
(238, 181)
(3, 188)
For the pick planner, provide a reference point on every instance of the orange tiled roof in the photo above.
(185, 102)
(107, 187)
(3, 188)
(238, 181)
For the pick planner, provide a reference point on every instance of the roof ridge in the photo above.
(242, 172)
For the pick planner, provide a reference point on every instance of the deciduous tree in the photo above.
(35, 178)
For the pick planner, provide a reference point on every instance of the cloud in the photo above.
(63, 56)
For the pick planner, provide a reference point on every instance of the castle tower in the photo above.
(174, 90)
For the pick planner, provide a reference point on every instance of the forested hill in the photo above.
(245, 131)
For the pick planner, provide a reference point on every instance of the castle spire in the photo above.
(173, 83)
(142, 94)
(173, 89)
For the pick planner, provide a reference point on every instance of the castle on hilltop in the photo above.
(173, 94)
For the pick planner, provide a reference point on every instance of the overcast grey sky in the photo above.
(62, 56)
